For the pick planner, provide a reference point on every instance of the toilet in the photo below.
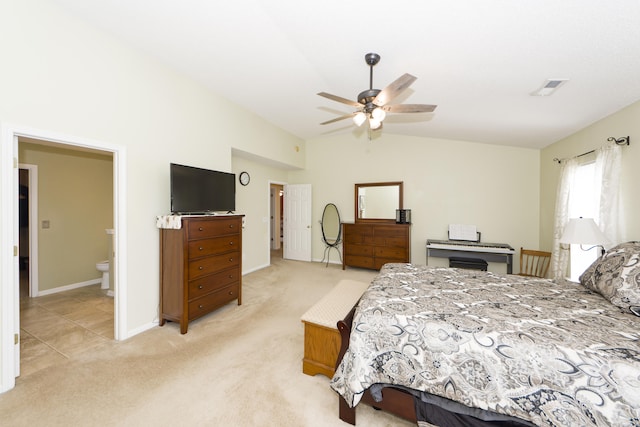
(103, 266)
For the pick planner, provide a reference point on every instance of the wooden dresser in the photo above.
(371, 245)
(200, 267)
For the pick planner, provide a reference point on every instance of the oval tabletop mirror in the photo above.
(331, 230)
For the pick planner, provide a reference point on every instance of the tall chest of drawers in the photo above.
(200, 267)
(371, 245)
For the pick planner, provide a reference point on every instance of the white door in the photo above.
(297, 222)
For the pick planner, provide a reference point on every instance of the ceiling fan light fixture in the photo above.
(372, 104)
(359, 118)
(379, 114)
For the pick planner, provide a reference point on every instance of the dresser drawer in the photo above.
(391, 252)
(357, 234)
(361, 250)
(217, 245)
(202, 228)
(212, 282)
(207, 303)
(387, 236)
(359, 261)
(213, 264)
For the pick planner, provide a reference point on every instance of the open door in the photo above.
(297, 222)
(16, 263)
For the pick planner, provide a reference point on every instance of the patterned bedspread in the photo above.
(552, 354)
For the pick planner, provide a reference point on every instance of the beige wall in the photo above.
(623, 123)
(253, 201)
(445, 182)
(64, 77)
(75, 194)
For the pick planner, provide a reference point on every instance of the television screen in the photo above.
(198, 191)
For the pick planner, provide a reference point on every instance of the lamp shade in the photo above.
(374, 124)
(378, 114)
(359, 118)
(583, 231)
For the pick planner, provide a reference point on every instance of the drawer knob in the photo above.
(230, 225)
(200, 228)
(230, 259)
(231, 243)
(230, 292)
(200, 306)
(201, 268)
(200, 248)
(231, 276)
(200, 287)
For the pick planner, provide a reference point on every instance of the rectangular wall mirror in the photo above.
(378, 201)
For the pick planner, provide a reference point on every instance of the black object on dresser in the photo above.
(200, 267)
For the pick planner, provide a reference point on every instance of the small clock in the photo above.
(244, 178)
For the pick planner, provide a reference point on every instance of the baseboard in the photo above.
(260, 267)
(140, 330)
(325, 261)
(68, 287)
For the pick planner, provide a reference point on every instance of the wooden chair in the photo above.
(534, 263)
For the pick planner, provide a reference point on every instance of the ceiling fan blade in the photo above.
(409, 108)
(340, 99)
(394, 89)
(346, 116)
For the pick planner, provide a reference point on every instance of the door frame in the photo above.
(9, 268)
(275, 212)
(270, 183)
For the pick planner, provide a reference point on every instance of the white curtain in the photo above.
(606, 192)
(560, 254)
(608, 165)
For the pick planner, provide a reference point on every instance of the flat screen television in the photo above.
(201, 191)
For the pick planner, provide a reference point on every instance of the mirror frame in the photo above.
(400, 185)
(324, 236)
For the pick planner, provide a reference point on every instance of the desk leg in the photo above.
(509, 264)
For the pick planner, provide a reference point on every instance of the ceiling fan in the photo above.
(372, 103)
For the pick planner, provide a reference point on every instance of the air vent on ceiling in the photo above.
(549, 87)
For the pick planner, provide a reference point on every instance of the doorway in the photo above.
(27, 212)
(9, 229)
(277, 219)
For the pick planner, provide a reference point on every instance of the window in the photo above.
(582, 203)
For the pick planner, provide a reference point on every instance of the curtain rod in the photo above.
(623, 140)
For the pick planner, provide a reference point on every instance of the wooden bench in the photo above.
(321, 336)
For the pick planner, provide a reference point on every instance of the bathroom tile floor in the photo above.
(54, 328)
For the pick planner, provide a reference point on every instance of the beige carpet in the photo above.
(239, 366)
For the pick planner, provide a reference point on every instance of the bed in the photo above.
(447, 346)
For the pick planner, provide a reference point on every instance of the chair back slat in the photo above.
(534, 263)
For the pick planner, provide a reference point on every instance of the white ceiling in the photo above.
(477, 60)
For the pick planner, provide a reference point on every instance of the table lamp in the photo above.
(584, 231)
